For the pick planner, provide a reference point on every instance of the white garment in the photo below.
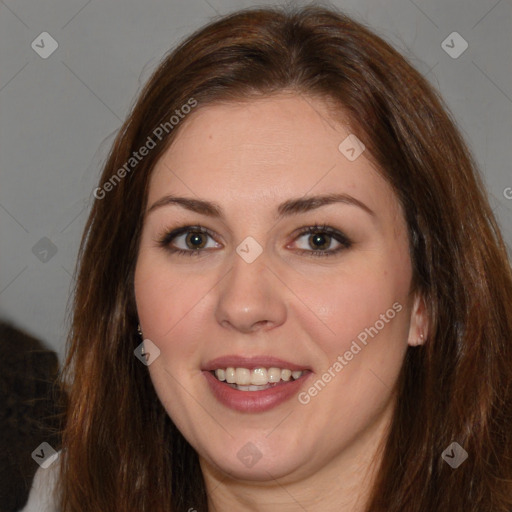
(41, 497)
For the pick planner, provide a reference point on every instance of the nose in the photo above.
(250, 297)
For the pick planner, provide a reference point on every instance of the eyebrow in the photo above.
(288, 208)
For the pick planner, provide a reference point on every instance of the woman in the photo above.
(292, 225)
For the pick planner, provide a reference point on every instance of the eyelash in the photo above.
(167, 237)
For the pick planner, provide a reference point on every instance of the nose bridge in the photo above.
(249, 297)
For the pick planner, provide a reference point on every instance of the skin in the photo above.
(248, 158)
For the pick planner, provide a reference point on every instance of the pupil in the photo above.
(194, 239)
(320, 241)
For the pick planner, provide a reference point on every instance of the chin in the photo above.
(262, 461)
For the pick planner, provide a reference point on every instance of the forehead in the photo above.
(275, 147)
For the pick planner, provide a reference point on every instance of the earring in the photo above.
(139, 330)
(421, 339)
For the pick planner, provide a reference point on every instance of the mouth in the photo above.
(254, 384)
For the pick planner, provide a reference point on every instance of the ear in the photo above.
(418, 328)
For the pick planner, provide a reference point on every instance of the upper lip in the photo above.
(233, 361)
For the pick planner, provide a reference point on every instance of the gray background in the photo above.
(59, 115)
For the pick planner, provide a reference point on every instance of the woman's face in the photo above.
(254, 295)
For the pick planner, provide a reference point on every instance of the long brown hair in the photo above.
(121, 451)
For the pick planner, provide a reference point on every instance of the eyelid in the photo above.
(343, 240)
(165, 238)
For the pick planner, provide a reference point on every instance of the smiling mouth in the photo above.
(257, 379)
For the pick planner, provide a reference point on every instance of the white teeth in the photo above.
(243, 376)
(259, 377)
(256, 379)
(286, 374)
(230, 375)
(274, 374)
(249, 388)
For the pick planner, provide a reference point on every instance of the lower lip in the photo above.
(254, 401)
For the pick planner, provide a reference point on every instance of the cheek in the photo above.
(173, 307)
(360, 311)
(169, 309)
(164, 296)
(360, 342)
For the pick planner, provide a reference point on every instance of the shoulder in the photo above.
(41, 497)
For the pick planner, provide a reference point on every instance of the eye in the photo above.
(193, 240)
(319, 241)
(187, 240)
